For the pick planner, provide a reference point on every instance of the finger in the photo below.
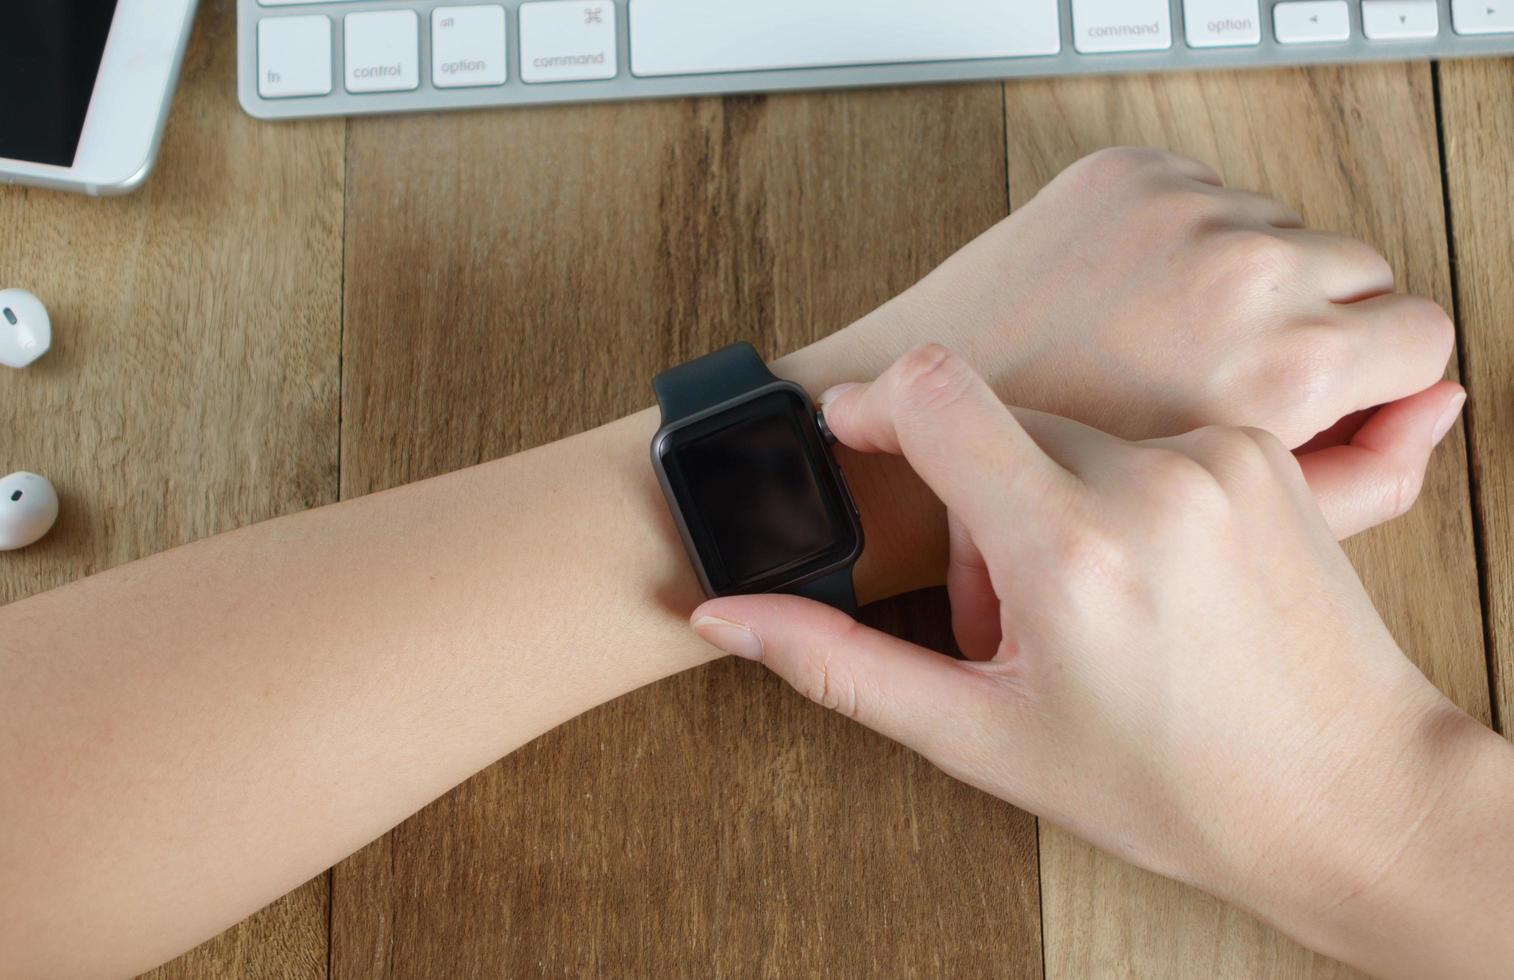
(1190, 167)
(975, 604)
(1164, 161)
(1262, 208)
(1395, 346)
(933, 409)
(911, 694)
(1347, 269)
(1079, 449)
(1378, 474)
(1338, 434)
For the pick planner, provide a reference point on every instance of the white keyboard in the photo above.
(346, 57)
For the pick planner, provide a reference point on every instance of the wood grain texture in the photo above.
(1355, 151)
(513, 277)
(192, 386)
(516, 277)
(1478, 123)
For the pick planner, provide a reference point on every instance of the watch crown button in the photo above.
(825, 429)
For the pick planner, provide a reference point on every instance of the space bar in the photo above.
(696, 37)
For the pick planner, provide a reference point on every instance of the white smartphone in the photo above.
(85, 87)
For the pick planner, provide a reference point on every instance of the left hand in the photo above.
(1138, 295)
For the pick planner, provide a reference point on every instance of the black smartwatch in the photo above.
(746, 465)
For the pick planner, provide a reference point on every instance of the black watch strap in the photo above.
(835, 589)
(709, 380)
(719, 377)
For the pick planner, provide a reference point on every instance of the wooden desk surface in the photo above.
(292, 314)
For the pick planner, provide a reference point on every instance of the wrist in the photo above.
(904, 523)
(1400, 868)
(1442, 906)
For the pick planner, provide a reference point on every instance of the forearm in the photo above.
(267, 701)
(1444, 905)
(1407, 871)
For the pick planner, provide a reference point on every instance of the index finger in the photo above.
(935, 411)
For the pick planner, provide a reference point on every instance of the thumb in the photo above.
(1377, 475)
(906, 692)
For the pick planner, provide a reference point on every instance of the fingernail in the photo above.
(1453, 411)
(733, 638)
(831, 394)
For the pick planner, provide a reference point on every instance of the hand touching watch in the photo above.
(1171, 657)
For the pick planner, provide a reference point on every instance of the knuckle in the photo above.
(931, 376)
(827, 682)
(1280, 208)
(1089, 553)
(1103, 171)
(1256, 457)
(1403, 491)
(1240, 269)
(1435, 321)
(1269, 447)
(1372, 260)
(1240, 463)
(1258, 258)
(1258, 206)
(1115, 162)
(1324, 354)
(1177, 483)
(1184, 163)
(1186, 206)
(1213, 441)
(1308, 372)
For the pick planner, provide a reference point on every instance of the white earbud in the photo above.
(25, 330)
(28, 503)
(28, 508)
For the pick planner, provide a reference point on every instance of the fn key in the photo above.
(294, 56)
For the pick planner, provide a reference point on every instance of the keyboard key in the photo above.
(288, 66)
(1222, 23)
(567, 40)
(1400, 20)
(467, 46)
(695, 37)
(382, 51)
(1311, 23)
(294, 56)
(1483, 16)
(1101, 26)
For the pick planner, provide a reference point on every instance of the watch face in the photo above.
(760, 497)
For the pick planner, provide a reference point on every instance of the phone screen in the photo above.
(50, 53)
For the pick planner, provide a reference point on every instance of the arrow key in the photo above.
(1400, 20)
(1314, 21)
(1483, 16)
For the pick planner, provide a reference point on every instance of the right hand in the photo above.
(1137, 294)
(1169, 653)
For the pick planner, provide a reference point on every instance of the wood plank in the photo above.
(1478, 122)
(716, 824)
(1355, 150)
(193, 383)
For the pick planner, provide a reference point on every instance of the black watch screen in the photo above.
(761, 499)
